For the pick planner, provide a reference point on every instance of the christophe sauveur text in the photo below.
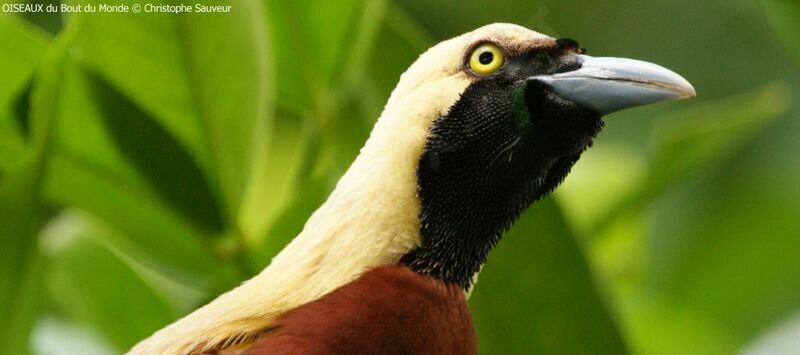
(121, 8)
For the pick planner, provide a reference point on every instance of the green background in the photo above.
(149, 162)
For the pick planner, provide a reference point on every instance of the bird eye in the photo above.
(486, 59)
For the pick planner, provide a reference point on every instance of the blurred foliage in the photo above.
(784, 15)
(149, 162)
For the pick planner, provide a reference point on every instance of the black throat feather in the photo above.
(484, 164)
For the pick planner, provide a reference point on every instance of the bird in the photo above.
(478, 128)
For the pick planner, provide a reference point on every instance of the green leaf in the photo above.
(784, 14)
(704, 135)
(699, 139)
(203, 77)
(726, 244)
(287, 150)
(21, 49)
(167, 160)
(21, 211)
(313, 45)
(605, 176)
(720, 236)
(156, 156)
(536, 293)
(113, 160)
(661, 326)
(399, 43)
(328, 98)
(93, 283)
(11, 149)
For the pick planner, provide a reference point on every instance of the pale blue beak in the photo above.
(607, 85)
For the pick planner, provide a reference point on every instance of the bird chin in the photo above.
(561, 126)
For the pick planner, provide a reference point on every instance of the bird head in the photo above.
(527, 106)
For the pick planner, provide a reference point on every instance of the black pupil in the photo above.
(486, 57)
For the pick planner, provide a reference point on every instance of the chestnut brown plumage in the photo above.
(388, 310)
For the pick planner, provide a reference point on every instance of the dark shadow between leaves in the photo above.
(158, 157)
(21, 107)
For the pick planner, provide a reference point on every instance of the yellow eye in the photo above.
(486, 59)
